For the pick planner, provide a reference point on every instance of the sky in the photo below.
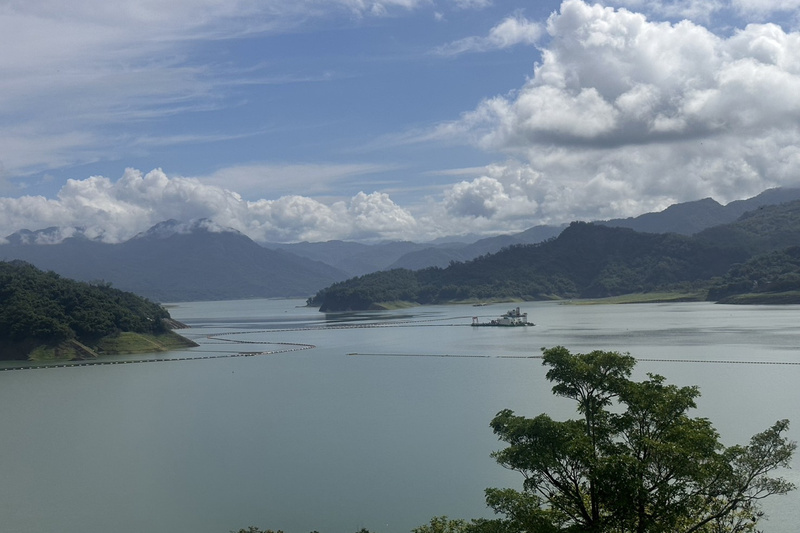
(370, 120)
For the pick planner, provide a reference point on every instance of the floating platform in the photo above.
(513, 318)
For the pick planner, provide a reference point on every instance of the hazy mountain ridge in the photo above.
(175, 262)
(354, 258)
(688, 218)
(358, 259)
(442, 255)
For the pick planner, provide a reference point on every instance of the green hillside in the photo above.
(585, 261)
(763, 230)
(751, 255)
(45, 316)
(767, 278)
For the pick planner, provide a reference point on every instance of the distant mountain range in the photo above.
(357, 259)
(180, 262)
(200, 260)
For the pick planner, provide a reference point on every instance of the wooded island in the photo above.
(44, 316)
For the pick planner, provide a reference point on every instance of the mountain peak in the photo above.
(171, 227)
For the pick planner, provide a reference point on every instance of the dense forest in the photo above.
(773, 277)
(42, 308)
(592, 261)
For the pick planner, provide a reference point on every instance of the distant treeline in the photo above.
(755, 253)
(43, 307)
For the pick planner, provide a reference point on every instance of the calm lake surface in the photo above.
(377, 427)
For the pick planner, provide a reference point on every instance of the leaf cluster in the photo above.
(635, 461)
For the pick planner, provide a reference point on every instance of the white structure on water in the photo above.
(512, 318)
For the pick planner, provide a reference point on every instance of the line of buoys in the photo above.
(398, 324)
(643, 359)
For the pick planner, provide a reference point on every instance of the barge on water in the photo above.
(511, 319)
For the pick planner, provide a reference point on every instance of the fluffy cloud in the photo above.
(479, 198)
(116, 210)
(621, 115)
(510, 32)
(627, 114)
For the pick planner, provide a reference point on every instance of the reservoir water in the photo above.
(379, 427)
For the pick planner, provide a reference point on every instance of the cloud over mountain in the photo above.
(113, 211)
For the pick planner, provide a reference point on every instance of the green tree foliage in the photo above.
(768, 228)
(362, 292)
(634, 461)
(254, 529)
(442, 524)
(45, 307)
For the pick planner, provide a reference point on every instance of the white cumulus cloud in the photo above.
(114, 211)
(626, 114)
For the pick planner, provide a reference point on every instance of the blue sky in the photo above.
(389, 119)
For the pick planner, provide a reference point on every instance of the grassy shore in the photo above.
(128, 343)
(782, 298)
(644, 298)
(122, 343)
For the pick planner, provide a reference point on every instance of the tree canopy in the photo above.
(634, 461)
(43, 307)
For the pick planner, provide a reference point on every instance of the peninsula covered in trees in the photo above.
(45, 316)
(755, 254)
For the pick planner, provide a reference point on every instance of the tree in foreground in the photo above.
(634, 461)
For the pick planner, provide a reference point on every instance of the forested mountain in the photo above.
(592, 260)
(586, 260)
(44, 309)
(763, 230)
(773, 277)
(180, 262)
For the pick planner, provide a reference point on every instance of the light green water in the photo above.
(322, 440)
